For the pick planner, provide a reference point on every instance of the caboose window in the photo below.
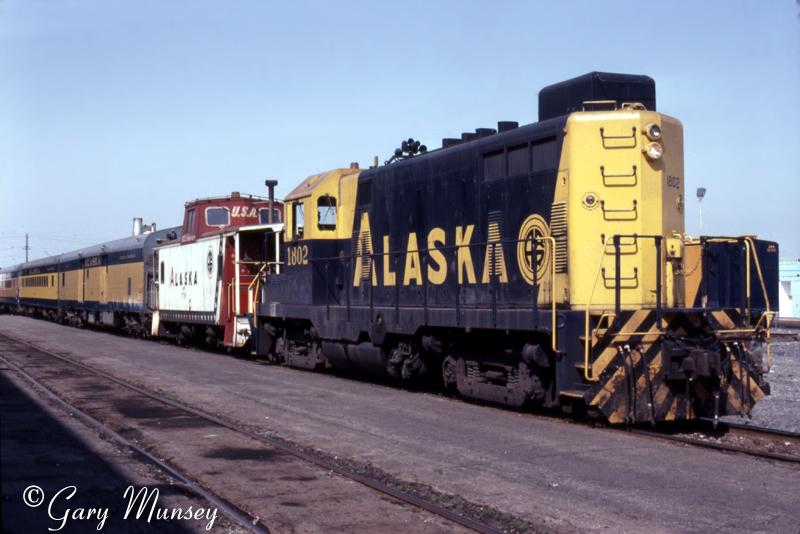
(190, 221)
(218, 217)
(326, 213)
(263, 215)
(298, 220)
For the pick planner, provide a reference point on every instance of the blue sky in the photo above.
(112, 109)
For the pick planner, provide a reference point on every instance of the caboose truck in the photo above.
(540, 264)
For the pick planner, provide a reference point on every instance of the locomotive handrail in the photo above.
(588, 337)
(767, 315)
(253, 294)
(620, 214)
(631, 137)
(629, 183)
(765, 318)
(736, 240)
(597, 102)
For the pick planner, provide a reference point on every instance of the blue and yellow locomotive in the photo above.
(541, 264)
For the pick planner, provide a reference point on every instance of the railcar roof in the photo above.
(546, 128)
(127, 243)
(305, 187)
(232, 196)
(119, 245)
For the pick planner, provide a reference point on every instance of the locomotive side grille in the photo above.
(364, 260)
(498, 258)
(558, 227)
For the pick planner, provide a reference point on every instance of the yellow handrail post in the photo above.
(587, 374)
(769, 313)
(551, 241)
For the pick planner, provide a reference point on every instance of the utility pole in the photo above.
(27, 248)
(701, 193)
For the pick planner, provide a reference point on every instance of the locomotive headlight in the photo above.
(654, 151)
(653, 131)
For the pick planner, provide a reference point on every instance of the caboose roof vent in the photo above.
(468, 136)
(485, 132)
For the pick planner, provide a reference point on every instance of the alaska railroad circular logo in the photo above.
(533, 256)
(210, 262)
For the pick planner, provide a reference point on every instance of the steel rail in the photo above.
(744, 428)
(232, 511)
(734, 429)
(306, 456)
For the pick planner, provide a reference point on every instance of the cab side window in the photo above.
(298, 220)
(326, 213)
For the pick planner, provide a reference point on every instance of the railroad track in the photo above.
(733, 437)
(237, 513)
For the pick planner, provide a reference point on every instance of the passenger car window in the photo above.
(326, 213)
(218, 217)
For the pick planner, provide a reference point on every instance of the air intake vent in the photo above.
(485, 132)
(449, 141)
(496, 261)
(558, 229)
(504, 126)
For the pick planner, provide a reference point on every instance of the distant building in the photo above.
(789, 288)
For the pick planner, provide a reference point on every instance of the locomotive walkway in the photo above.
(556, 475)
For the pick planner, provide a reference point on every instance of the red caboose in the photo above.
(208, 280)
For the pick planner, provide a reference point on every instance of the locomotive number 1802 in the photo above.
(297, 255)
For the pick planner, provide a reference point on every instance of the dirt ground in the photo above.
(565, 476)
